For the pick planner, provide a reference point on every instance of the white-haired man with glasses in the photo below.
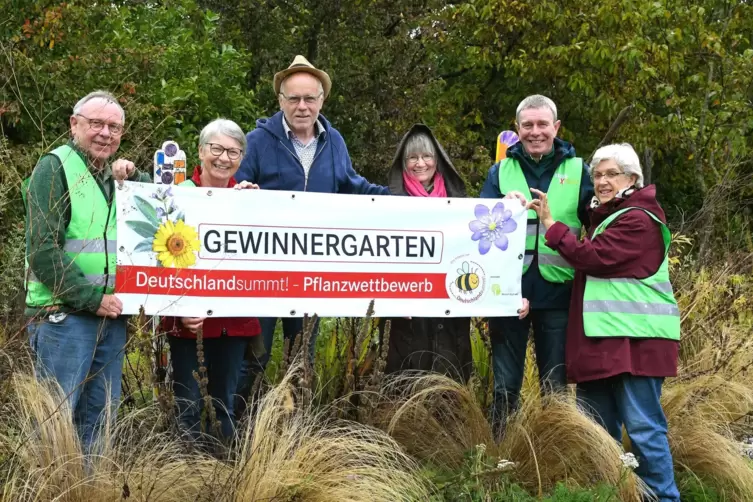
(76, 327)
(298, 149)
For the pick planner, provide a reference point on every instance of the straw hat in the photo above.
(299, 64)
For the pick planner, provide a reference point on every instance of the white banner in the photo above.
(188, 251)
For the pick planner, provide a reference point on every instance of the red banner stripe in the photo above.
(278, 284)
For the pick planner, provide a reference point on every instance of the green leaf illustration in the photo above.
(180, 215)
(143, 228)
(146, 209)
(145, 245)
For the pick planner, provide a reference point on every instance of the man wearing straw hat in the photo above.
(298, 149)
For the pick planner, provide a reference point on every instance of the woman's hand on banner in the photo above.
(522, 312)
(541, 206)
(243, 185)
(514, 194)
(192, 324)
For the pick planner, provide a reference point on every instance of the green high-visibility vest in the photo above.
(563, 197)
(90, 239)
(628, 307)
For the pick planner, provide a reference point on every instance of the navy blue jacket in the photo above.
(271, 162)
(541, 293)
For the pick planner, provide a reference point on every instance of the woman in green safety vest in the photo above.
(624, 326)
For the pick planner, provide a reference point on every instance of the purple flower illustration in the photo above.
(491, 226)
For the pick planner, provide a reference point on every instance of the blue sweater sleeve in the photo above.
(586, 195)
(249, 169)
(491, 190)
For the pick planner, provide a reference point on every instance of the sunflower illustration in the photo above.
(175, 244)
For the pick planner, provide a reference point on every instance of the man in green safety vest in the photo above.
(76, 328)
(540, 161)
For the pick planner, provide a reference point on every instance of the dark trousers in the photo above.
(253, 366)
(222, 357)
(634, 401)
(509, 339)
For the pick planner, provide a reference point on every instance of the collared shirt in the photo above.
(305, 152)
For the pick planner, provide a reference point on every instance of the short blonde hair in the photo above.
(624, 156)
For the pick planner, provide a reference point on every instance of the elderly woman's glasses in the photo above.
(97, 125)
(609, 175)
(218, 150)
(294, 100)
(426, 157)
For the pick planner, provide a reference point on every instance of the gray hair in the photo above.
(418, 143)
(97, 95)
(282, 84)
(536, 101)
(624, 156)
(222, 127)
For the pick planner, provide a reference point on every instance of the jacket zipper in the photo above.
(305, 177)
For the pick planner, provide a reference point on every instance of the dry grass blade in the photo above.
(131, 461)
(699, 413)
(292, 452)
(554, 441)
(698, 446)
(452, 421)
(550, 440)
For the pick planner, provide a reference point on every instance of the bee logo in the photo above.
(468, 279)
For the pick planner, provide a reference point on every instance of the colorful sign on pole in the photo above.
(505, 140)
(169, 164)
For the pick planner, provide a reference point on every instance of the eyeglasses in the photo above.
(217, 150)
(97, 125)
(427, 158)
(294, 100)
(609, 175)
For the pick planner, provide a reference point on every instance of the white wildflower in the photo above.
(505, 464)
(629, 460)
(481, 448)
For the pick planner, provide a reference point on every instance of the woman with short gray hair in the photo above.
(623, 330)
(221, 148)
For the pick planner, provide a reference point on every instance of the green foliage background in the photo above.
(681, 72)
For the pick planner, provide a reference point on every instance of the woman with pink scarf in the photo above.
(421, 168)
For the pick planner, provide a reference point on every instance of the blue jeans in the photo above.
(509, 339)
(222, 358)
(84, 355)
(291, 328)
(634, 401)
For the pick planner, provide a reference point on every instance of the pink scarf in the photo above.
(416, 189)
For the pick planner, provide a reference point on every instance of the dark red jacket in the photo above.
(631, 246)
(214, 327)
